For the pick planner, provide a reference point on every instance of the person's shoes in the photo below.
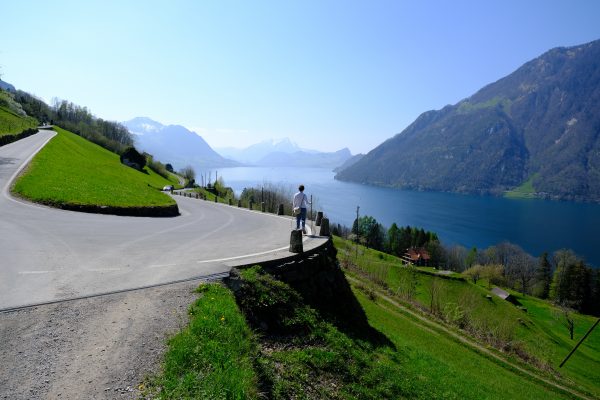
(304, 231)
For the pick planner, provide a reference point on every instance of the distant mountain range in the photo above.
(285, 153)
(174, 144)
(538, 128)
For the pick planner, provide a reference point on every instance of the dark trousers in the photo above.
(301, 216)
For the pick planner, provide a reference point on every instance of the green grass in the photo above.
(438, 361)
(211, 358)
(211, 196)
(294, 353)
(11, 123)
(525, 191)
(534, 338)
(71, 170)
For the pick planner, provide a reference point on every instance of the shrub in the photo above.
(133, 158)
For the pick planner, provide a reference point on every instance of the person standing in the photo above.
(299, 205)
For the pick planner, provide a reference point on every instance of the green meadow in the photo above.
(11, 123)
(71, 170)
(498, 351)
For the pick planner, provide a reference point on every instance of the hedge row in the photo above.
(6, 139)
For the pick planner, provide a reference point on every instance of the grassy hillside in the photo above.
(11, 123)
(73, 171)
(296, 352)
(534, 338)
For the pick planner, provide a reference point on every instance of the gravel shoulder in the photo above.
(95, 348)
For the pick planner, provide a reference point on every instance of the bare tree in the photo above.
(566, 318)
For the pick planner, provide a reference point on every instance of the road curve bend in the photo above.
(49, 254)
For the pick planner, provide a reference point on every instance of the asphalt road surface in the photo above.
(49, 254)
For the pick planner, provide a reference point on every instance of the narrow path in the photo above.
(428, 324)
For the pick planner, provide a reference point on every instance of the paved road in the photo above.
(48, 254)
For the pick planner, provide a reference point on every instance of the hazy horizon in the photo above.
(325, 75)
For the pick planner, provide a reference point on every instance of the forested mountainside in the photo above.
(539, 125)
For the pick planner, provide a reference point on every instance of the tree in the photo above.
(543, 277)
(564, 260)
(474, 273)
(371, 231)
(494, 274)
(169, 167)
(471, 257)
(565, 316)
(189, 174)
(456, 256)
(405, 239)
(436, 252)
(133, 158)
(393, 240)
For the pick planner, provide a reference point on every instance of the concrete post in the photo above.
(319, 218)
(296, 242)
(324, 231)
(280, 210)
(262, 206)
(239, 203)
(197, 196)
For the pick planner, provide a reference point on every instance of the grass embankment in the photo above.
(71, 172)
(295, 353)
(535, 338)
(11, 123)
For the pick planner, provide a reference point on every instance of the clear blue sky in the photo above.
(327, 74)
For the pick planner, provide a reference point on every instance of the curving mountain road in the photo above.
(49, 254)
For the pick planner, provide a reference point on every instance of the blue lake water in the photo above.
(471, 221)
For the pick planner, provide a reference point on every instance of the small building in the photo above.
(417, 256)
(504, 295)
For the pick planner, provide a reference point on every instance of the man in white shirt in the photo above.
(300, 204)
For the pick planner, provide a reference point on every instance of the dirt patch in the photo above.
(97, 348)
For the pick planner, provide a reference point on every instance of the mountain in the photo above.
(349, 162)
(174, 144)
(305, 159)
(6, 86)
(537, 127)
(254, 153)
(284, 152)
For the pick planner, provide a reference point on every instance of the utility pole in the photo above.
(311, 216)
(357, 231)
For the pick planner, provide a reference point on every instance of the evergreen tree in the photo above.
(393, 240)
(405, 239)
(544, 277)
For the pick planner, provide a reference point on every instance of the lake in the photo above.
(471, 221)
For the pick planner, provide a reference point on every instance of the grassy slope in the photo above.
(537, 331)
(72, 170)
(525, 191)
(437, 360)
(211, 358)
(314, 360)
(11, 123)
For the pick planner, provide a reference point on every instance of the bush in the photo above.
(133, 158)
(6, 139)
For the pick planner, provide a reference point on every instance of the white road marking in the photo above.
(244, 256)
(162, 265)
(103, 269)
(34, 272)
